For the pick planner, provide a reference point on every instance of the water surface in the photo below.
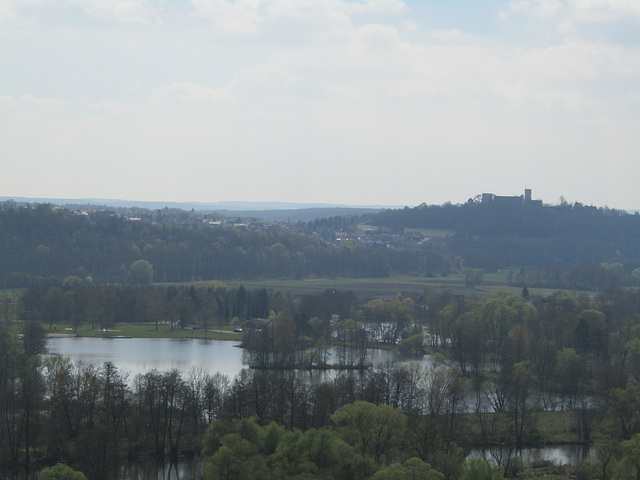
(140, 355)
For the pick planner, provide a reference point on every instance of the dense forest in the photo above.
(48, 244)
(527, 234)
(564, 246)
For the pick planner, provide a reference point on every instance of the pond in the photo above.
(140, 355)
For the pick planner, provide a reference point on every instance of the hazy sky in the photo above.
(385, 103)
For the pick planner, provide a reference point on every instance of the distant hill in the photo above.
(267, 211)
(300, 214)
(43, 243)
(509, 234)
(198, 206)
(562, 246)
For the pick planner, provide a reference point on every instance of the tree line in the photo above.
(46, 244)
(592, 277)
(205, 305)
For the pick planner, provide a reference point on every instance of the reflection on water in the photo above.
(560, 455)
(140, 355)
(183, 470)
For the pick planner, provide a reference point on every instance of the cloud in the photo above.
(583, 11)
(393, 7)
(7, 12)
(521, 95)
(79, 14)
(113, 109)
(8, 102)
(403, 92)
(614, 21)
(287, 20)
(273, 76)
(190, 92)
(455, 36)
(234, 18)
(31, 102)
(122, 11)
(257, 84)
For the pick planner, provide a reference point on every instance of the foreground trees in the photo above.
(528, 360)
(21, 397)
(363, 441)
(374, 430)
(95, 416)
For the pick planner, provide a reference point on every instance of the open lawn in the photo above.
(376, 287)
(389, 286)
(364, 287)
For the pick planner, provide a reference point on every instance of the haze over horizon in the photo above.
(349, 103)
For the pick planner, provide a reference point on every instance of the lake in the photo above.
(140, 355)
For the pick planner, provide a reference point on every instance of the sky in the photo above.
(353, 103)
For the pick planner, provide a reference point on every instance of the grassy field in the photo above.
(365, 287)
(390, 286)
(374, 287)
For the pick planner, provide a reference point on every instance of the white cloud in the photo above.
(190, 92)
(291, 20)
(79, 14)
(7, 12)
(8, 102)
(393, 7)
(609, 20)
(123, 11)
(310, 9)
(265, 74)
(113, 109)
(267, 93)
(410, 25)
(522, 95)
(234, 18)
(31, 102)
(455, 36)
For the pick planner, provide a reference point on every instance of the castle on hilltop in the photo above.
(490, 198)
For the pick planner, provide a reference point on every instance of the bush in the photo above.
(61, 471)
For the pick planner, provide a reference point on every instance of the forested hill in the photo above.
(43, 243)
(521, 234)
(565, 246)
(515, 218)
